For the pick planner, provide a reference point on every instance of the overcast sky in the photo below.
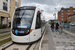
(49, 6)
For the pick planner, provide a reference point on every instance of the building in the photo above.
(7, 8)
(71, 18)
(64, 12)
(4, 12)
(13, 4)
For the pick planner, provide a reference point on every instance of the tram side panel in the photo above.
(36, 33)
(43, 29)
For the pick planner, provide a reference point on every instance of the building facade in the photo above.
(4, 12)
(13, 5)
(7, 8)
(64, 13)
(71, 18)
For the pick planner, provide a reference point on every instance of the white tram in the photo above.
(26, 25)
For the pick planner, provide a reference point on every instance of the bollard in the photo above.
(60, 29)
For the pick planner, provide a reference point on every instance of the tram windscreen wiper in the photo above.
(23, 18)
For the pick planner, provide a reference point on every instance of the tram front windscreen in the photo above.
(23, 18)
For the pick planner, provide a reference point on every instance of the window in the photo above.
(23, 18)
(68, 10)
(62, 13)
(9, 8)
(4, 6)
(38, 21)
(61, 16)
(16, 4)
(73, 10)
(9, 16)
(68, 13)
(9, 0)
(62, 19)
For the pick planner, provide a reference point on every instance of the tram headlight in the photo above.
(27, 32)
(12, 31)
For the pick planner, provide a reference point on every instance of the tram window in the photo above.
(38, 21)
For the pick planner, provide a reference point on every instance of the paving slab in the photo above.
(45, 42)
(63, 39)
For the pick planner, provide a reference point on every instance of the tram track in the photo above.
(29, 47)
(17, 46)
(14, 46)
(7, 46)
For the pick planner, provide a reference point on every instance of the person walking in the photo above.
(52, 27)
(57, 27)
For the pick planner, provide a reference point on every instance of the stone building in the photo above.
(4, 12)
(71, 18)
(7, 8)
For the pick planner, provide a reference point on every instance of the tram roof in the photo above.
(27, 7)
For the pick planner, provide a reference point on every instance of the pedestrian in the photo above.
(52, 27)
(57, 27)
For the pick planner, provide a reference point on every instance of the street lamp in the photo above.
(42, 11)
(54, 15)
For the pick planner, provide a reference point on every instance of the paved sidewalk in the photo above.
(63, 41)
(57, 41)
(51, 42)
(48, 43)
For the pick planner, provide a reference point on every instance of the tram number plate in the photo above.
(21, 31)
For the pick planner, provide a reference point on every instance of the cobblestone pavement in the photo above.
(63, 41)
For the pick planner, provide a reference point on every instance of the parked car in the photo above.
(66, 25)
(72, 24)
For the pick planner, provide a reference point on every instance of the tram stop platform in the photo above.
(57, 41)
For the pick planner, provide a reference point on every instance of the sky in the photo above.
(49, 6)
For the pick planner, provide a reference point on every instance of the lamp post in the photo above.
(41, 13)
(55, 14)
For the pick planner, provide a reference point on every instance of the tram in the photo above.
(26, 24)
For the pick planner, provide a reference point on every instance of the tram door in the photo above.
(38, 24)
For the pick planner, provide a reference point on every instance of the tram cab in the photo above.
(26, 24)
